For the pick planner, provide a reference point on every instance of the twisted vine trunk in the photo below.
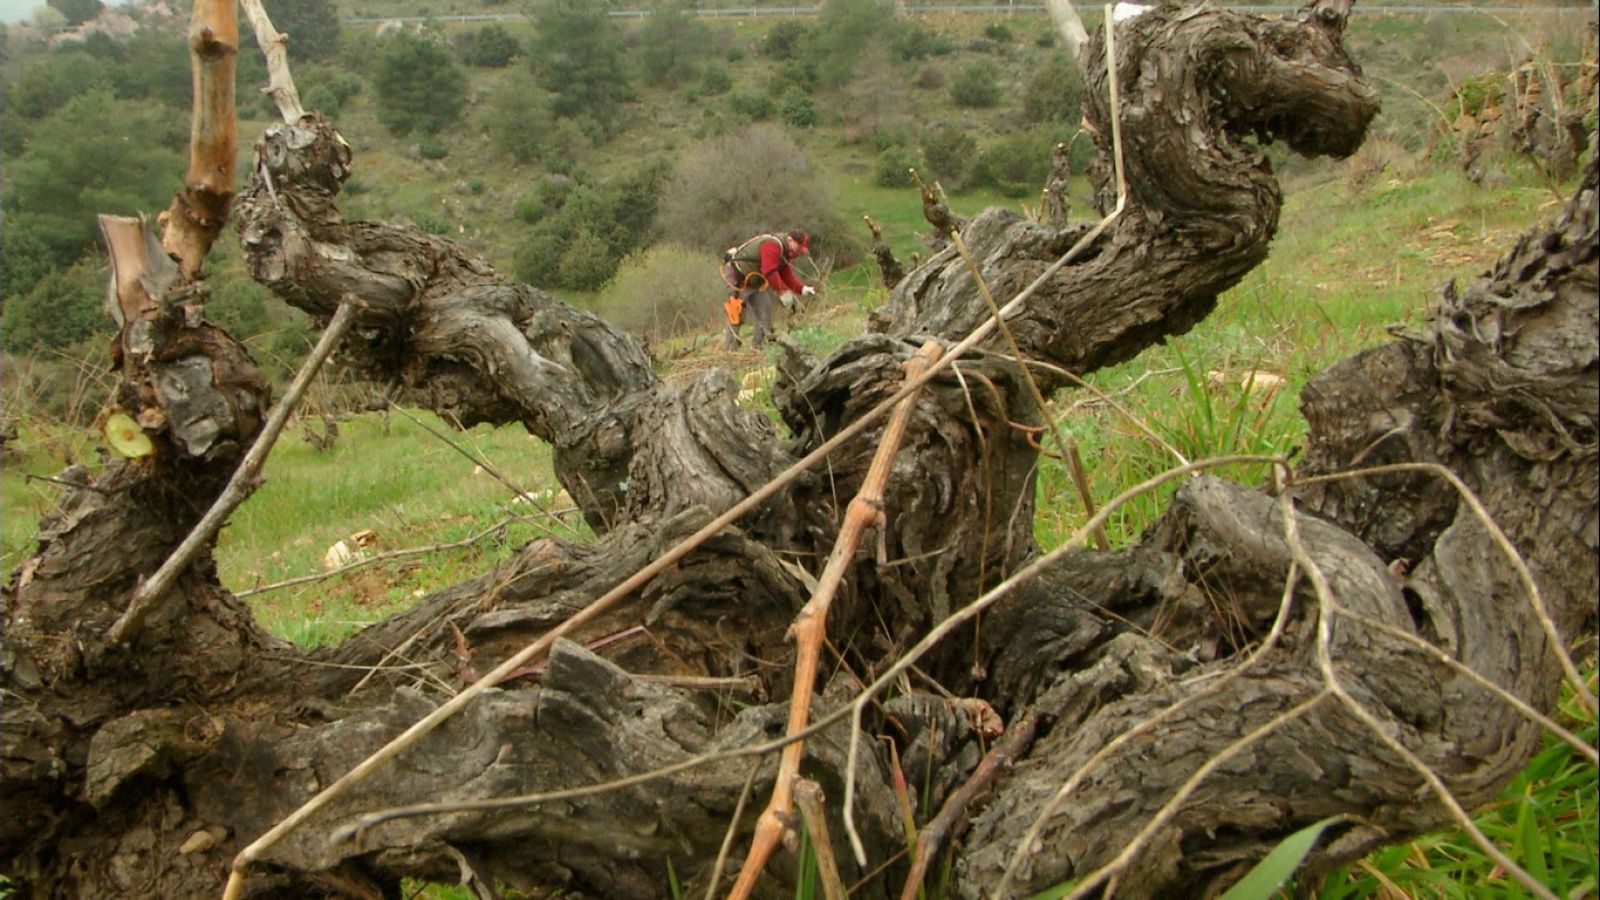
(144, 768)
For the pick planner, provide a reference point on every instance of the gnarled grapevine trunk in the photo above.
(145, 767)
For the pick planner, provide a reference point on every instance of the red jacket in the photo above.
(775, 266)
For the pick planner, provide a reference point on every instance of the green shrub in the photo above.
(515, 117)
(846, 28)
(63, 308)
(796, 108)
(672, 42)
(916, 41)
(977, 86)
(55, 79)
(433, 149)
(1015, 164)
(949, 152)
(313, 25)
(1475, 95)
(801, 73)
(893, 167)
(998, 32)
(582, 229)
(71, 172)
(239, 307)
(579, 57)
(668, 290)
(490, 47)
(586, 261)
(715, 80)
(548, 196)
(537, 258)
(754, 179)
(419, 87)
(751, 107)
(1055, 92)
(434, 223)
(786, 39)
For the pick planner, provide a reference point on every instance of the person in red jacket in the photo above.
(758, 272)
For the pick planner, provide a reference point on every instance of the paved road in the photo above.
(1088, 11)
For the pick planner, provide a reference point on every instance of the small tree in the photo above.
(725, 189)
(672, 41)
(578, 56)
(72, 171)
(949, 152)
(515, 117)
(977, 86)
(1055, 92)
(490, 47)
(847, 28)
(312, 27)
(419, 86)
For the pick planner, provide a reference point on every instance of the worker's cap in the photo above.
(801, 238)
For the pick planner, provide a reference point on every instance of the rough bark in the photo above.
(145, 768)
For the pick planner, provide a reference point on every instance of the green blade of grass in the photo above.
(1264, 879)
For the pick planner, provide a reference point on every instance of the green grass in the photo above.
(391, 476)
(1346, 266)
(1545, 821)
(387, 475)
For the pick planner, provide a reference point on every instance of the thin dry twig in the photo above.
(487, 466)
(961, 616)
(1465, 671)
(381, 557)
(243, 483)
(1102, 396)
(808, 796)
(810, 627)
(1068, 446)
(1091, 882)
(1580, 688)
(733, 828)
(1031, 836)
(1334, 686)
(931, 839)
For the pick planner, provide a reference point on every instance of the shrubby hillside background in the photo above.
(579, 149)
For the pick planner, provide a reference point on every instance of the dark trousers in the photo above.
(758, 312)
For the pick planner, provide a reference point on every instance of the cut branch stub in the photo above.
(200, 210)
(189, 383)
